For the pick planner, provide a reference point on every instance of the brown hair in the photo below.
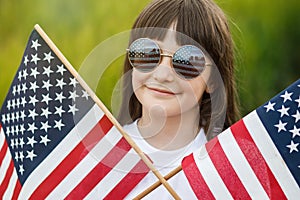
(205, 23)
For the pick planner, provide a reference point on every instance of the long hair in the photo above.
(205, 23)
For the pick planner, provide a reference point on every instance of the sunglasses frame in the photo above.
(170, 56)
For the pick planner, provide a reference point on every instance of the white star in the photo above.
(60, 83)
(292, 146)
(33, 86)
(45, 126)
(48, 57)
(85, 94)
(298, 101)
(30, 154)
(8, 104)
(59, 97)
(23, 101)
(47, 71)
(12, 143)
(25, 74)
(21, 169)
(59, 110)
(22, 115)
(73, 82)
(44, 139)
(34, 58)
(20, 75)
(35, 44)
(58, 124)
(31, 141)
(73, 95)
(47, 84)
(45, 112)
(283, 111)
(286, 96)
(61, 69)
(73, 109)
(16, 156)
(24, 88)
(21, 156)
(33, 100)
(3, 118)
(26, 60)
(21, 142)
(296, 116)
(31, 127)
(32, 114)
(34, 72)
(295, 131)
(281, 126)
(46, 98)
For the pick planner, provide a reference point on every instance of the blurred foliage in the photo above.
(266, 33)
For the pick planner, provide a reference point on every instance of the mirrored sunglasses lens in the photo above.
(188, 61)
(144, 54)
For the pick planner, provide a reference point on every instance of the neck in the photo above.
(169, 132)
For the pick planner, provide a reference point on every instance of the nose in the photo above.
(163, 72)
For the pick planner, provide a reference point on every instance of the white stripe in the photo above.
(241, 166)
(86, 165)
(114, 176)
(5, 165)
(272, 156)
(210, 174)
(11, 186)
(2, 138)
(61, 151)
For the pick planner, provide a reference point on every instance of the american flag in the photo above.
(256, 158)
(55, 141)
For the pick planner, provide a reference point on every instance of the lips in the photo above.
(162, 91)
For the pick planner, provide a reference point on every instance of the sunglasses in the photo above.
(145, 55)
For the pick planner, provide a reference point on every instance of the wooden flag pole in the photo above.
(158, 183)
(105, 110)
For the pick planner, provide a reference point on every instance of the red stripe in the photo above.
(195, 178)
(123, 188)
(256, 161)
(62, 170)
(100, 170)
(17, 190)
(6, 179)
(226, 171)
(3, 152)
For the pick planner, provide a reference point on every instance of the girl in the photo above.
(178, 88)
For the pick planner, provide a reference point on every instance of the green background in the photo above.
(266, 33)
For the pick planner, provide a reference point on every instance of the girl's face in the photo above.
(163, 90)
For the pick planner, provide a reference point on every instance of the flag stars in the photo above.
(31, 127)
(59, 97)
(34, 58)
(25, 60)
(21, 169)
(35, 44)
(34, 72)
(30, 155)
(33, 100)
(45, 112)
(33, 86)
(281, 126)
(72, 109)
(60, 83)
(58, 124)
(47, 84)
(59, 111)
(286, 96)
(47, 71)
(73, 95)
(85, 94)
(21, 156)
(45, 126)
(296, 116)
(298, 101)
(73, 81)
(61, 69)
(48, 57)
(46, 98)
(293, 146)
(32, 114)
(295, 131)
(25, 74)
(283, 111)
(45, 140)
(31, 141)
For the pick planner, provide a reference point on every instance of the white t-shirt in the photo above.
(165, 162)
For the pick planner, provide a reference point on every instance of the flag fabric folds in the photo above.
(55, 141)
(256, 158)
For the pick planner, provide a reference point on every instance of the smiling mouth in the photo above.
(162, 91)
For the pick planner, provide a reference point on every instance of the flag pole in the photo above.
(158, 183)
(146, 160)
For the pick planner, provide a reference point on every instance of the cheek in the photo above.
(194, 90)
